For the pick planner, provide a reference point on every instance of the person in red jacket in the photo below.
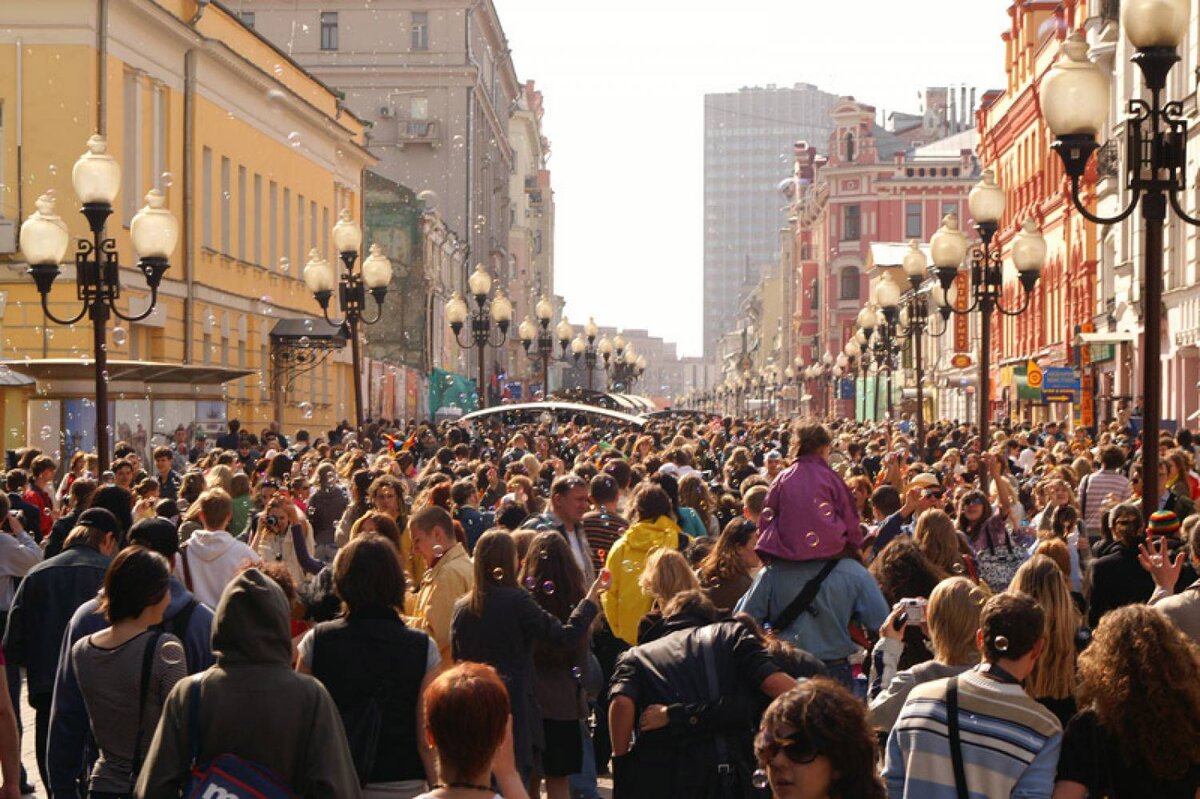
(37, 493)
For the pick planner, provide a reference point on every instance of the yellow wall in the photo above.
(59, 102)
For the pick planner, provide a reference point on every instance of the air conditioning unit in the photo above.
(386, 112)
(8, 236)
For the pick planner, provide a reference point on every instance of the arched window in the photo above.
(850, 283)
(849, 146)
(805, 251)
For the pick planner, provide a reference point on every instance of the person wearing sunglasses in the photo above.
(815, 741)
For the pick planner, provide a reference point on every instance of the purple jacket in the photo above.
(809, 514)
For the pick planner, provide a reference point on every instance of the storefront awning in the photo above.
(124, 371)
(309, 334)
(74, 377)
(1106, 337)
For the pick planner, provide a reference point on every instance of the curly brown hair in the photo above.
(1141, 676)
(828, 718)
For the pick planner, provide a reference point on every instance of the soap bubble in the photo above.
(1000, 643)
(812, 539)
(171, 653)
(530, 583)
(759, 779)
(306, 409)
(428, 199)
(119, 336)
(767, 515)
(577, 672)
(46, 432)
(497, 574)
(548, 588)
(166, 180)
(438, 550)
(294, 139)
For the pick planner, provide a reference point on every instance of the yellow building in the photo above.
(256, 159)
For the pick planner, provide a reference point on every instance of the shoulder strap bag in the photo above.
(187, 569)
(804, 599)
(956, 755)
(144, 688)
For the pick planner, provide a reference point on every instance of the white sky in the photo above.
(624, 82)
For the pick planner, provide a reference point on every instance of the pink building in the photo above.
(876, 185)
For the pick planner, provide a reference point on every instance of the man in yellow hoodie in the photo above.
(653, 528)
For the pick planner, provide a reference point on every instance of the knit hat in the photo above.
(1163, 522)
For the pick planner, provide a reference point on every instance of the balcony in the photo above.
(401, 132)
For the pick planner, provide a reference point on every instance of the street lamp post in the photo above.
(44, 239)
(949, 249)
(544, 352)
(586, 348)
(374, 276)
(907, 317)
(1075, 99)
(499, 312)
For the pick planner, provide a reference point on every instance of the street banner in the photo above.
(962, 321)
(1087, 403)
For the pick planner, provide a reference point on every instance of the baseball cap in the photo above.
(101, 519)
(924, 480)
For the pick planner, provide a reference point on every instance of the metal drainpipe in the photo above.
(189, 201)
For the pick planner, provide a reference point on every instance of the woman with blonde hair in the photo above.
(666, 574)
(1052, 681)
(220, 476)
(952, 620)
(937, 537)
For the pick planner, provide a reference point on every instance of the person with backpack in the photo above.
(124, 672)
(376, 669)
(250, 717)
(186, 618)
(653, 528)
(42, 608)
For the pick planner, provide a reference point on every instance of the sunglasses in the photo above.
(797, 751)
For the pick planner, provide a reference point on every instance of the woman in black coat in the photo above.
(498, 623)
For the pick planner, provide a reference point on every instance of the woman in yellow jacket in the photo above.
(653, 528)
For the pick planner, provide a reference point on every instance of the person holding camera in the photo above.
(284, 534)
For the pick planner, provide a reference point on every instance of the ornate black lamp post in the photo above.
(499, 312)
(949, 249)
(1075, 100)
(374, 277)
(586, 348)
(44, 239)
(540, 334)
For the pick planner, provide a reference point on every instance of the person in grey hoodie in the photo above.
(294, 729)
(951, 621)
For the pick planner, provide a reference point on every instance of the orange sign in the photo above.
(961, 361)
(1033, 374)
(1087, 404)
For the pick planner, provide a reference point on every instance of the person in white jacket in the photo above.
(210, 558)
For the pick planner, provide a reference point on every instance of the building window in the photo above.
(849, 146)
(815, 291)
(131, 156)
(312, 225)
(329, 33)
(243, 195)
(226, 197)
(912, 220)
(258, 229)
(851, 285)
(949, 208)
(247, 18)
(805, 251)
(418, 108)
(287, 225)
(851, 228)
(420, 30)
(206, 191)
(272, 224)
(159, 153)
(301, 253)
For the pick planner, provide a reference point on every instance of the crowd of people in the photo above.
(705, 606)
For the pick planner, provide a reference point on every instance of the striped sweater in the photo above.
(1010, 743)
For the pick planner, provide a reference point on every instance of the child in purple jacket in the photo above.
(809, 513)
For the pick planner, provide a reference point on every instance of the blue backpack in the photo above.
(228, 776)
